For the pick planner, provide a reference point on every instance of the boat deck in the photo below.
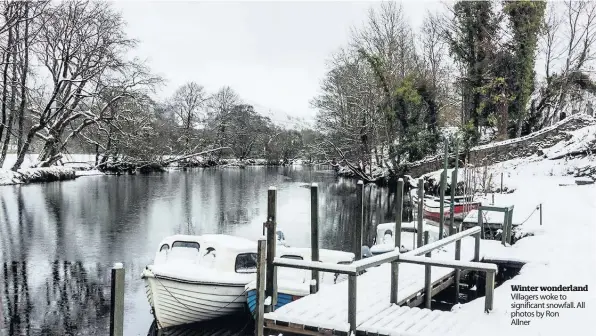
(327, 311)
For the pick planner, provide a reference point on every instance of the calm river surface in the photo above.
(59, 240)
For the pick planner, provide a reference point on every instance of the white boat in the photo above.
(198, 278)
(293, 284)
(385, 242)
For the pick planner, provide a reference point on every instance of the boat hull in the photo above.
(282, 300)
(459, 213)
(178, 302)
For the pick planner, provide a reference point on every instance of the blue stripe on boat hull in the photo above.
(251, 300)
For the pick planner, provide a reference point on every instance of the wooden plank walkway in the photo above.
(327, 311)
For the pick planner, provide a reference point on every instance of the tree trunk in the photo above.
(5, 75)
(25, 69)
(25, 149)
(13, 94)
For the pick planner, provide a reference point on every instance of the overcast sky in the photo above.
(272, 53)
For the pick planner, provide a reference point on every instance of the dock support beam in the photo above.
(397, 237)
(452, 203)
(510, 224)
(271, 281)
(314, 235)
(420, 229)
(352, 294)
(489, 289)
(117, 301)
(357, 242)
(427, 277)
(261, 274)
(457, 270)
(480, 224)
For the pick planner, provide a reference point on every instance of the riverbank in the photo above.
(556, 248)
(34, 175)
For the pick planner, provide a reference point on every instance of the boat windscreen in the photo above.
(187, 244)
(246, 263)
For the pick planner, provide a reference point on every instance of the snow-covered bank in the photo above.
(32, 175)
(561, 251)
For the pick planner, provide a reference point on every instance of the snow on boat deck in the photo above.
(328, 309)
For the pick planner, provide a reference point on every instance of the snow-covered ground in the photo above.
(562, 251)
(75, 165)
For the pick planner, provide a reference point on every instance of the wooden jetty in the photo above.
(382, 292)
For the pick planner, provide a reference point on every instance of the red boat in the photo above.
(462, 206)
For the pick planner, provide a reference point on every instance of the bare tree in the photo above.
(189, 102)
(79, 42)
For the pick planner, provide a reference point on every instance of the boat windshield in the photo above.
(246, 263)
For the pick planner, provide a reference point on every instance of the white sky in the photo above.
(272, 53)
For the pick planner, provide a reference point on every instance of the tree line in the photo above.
(494, 70)
(68, 85)
(505, 68)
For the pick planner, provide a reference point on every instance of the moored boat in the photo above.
(294, 284)
(462, 206)
(199, 278)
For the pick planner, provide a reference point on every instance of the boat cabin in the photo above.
(223, 253)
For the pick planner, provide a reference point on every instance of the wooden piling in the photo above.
(352, 295)
(489, 289)
(510, 225)
(427, 277)
(420, 229)
(505, 227)
(117, 301)
(477, 258)
(457, 270)
(480, 224)
(261, 274)
(397, 238)
(314, 234)
(540, 213)
(452, 205)
(357, 242)
(271, 280)
(442, 190)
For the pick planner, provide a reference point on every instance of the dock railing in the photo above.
(411, 257)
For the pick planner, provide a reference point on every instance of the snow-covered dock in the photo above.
(327, 311)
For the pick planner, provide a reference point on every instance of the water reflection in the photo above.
(59, 240)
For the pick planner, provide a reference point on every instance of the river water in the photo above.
(59, 240)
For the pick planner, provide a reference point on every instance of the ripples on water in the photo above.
(58, 240)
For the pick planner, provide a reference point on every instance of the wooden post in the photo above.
(261, 274)
(397, 238)
(480, 224)
(442, 190)
(442, 204)
(357, 242)
(427, 277)
(501, 182)
(540, 213)
(454, 189)
(477, 247)
(457, 270)
(504, 227)
(510, 225)
(271, 281)
(489, 289)
(314, 234)
(477, 258)
(117, 301)
(493, 199)
(452, 205)
(419, 234)
(352, 294)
